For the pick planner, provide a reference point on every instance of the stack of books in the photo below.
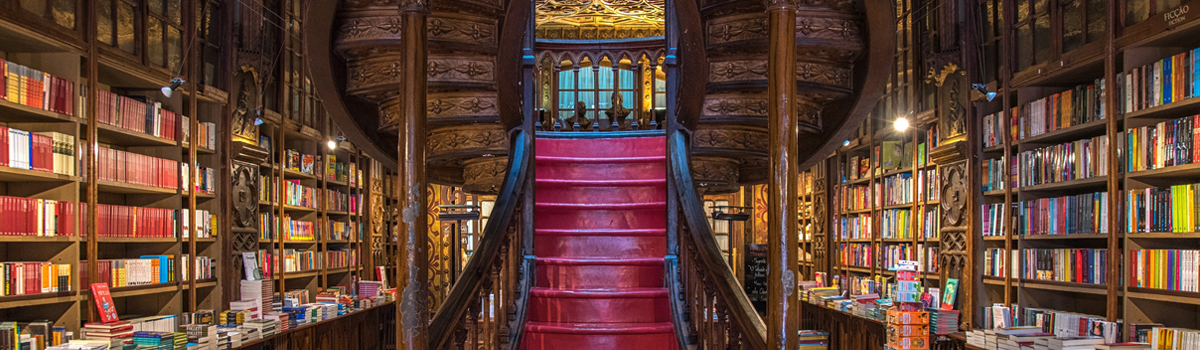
(943, 322)
(154, 340)
(264, 327)
(81, 345)
(112, 331)
(814, 340)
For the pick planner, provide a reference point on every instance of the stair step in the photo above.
(599, 336)
(602, 183)
(599, 273)
(602, 232)
(547, 218)
(601, 206)
(628, 194)
(601, 171)
(599, 160)
(600, 243)
(602, 147)
(637, 305)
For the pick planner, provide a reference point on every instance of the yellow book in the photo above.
(45, 267)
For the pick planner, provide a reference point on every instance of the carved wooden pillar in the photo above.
(412, 264)
(954, 257)
(638, 108)
(783, 317)
(820, 223)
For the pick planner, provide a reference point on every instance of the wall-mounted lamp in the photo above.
(334, 143)
(901, 124)
(175, 83)
(984, 90)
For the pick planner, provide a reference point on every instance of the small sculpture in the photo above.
(618, 113)
(580, 118)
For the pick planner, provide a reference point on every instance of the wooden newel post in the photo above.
(783, 315)
(412, 275)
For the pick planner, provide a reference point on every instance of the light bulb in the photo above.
(332, 144)
(901, 124)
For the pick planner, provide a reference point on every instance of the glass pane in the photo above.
(989, 25)
(990, 58)
(38, 7)
(1041, 6)
(174, 48)
(566, 100)
(605, 99)
(1096, 15)
(154, 7)
(660, 100)
(154, 41)
(1022, 10)
(1024, 46)
(627, 79)
(660, 85)
(64, 13)
(1166, 5)
(587, 78)
(1136, 11)
(104, 22)
(589, 100)
(566, 80)
(606, 78)
(627, 99)
(126, 36)
(175, 11)
(1072, 26)
(1041, 39)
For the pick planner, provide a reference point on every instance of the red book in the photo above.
(3, 146)
(104, 302)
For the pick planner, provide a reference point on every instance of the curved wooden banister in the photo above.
(485, 306)
(705, 280)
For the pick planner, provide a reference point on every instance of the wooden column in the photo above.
(1114, 199)
(412, 264)
(783, 318)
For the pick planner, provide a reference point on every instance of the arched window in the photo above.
(640, 84)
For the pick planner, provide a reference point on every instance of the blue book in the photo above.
(1166, 80)
(1195, 56)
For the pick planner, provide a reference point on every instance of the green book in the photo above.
(892, 155)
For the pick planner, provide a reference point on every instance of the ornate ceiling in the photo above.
(599, 19)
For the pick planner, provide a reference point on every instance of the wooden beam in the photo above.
(783, 319)
(412, 265)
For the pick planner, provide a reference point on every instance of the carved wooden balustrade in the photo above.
(485, 308)
(712, 311)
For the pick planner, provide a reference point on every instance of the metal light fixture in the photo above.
(458, 212)
(258, 121)
(334, 143)
(175, 83)
(984, 90)
(733, 214)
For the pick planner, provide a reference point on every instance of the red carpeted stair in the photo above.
(600, 238)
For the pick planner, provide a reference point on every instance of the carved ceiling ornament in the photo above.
(608, 13)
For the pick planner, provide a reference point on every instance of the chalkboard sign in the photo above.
(756, 276)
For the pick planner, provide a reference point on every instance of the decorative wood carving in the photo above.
(952, 103)
(953, 194)
(376, 73)
(820, 208)
(389, 116)
(445, 27)
(484, 175)
(467, 70)
(838, 27)
(247, 105)
(715, 175)
(475, 139)
(735, 105)
(731, 138)
(601, 33)
(733, 29)
(737, 70)
(823, 73)
(462, 106)
(368, 28)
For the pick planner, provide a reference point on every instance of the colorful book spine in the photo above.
(23, 278)
(855, 227)
(896, 224)
(857, 254)
(1080, 159)
(1079, 105)
(1065, 265)
(38, 217)
(1172, 209)
(1078, 214)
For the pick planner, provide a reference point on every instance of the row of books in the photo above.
(207, 137)
(338, 230)
(1070, 324)
(342, 258)
(1165, 144)
(1079, 159)
(337, 201)
(266, 192)
(854, 227)
(993, 129)
(148, 269)
(21, 278)
(855, 168)
(127, 221)
(34, 88)
(37, 217)
(993, 262)
(51, 152)
(928, 185)
(893, 253)
(1172, 209)
(136, 114)
(296, 230)
(931, 226)
(1077, 214)
(1079, 105)
(1165, 81)
(856, 254)
(896, 224)
(993, 219)
(1169, 269)
(296, 161)
(341, 172)
(1065, 265)
(267, 261)
(856, 197)
(1173, 338)
(202, 265)
(206, 224)
(267, 224)
(299, 195)
(206, 181)
(137, 169)
(993, 174)
(300, 260)
(898, 189)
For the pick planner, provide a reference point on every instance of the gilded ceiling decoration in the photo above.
(623, 14)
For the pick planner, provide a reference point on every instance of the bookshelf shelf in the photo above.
(135, 240)
(338, 242)
(200, 195)
(109, 134)
(133, 291)
(337, 183)
(1073, 236)
(898, 206)
(1071, 287)
(996, 193)
(1164, 235)
(123, 188)
(288, 241)
(296, 175)
(858, 269)
(1186, 171)
(1000, 148)
(202, 240)
(292, 208)
(898, 172)
(303, 274)
(860, 181)
(338, 213)
(1069, 72)
(208, 283)
(38, 299)
(1165, 295)
(339, 270)
(1090, 129)
(1092, 183)
(24, 175)
(855, 212)
(15, 112)
(38, 239)
(1168, 111)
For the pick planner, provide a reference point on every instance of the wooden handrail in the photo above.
(708, 283)
(485, 274)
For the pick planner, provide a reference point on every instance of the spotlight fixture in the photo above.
(258, 121)
(901, 124)
(984, 90)
(175, 83)
(845, 143)
(334, 143)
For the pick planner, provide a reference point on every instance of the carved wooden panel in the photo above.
(368, 28)
(462, 107)
(738, 70)
(820, 209)
(476, 138)
(953, 255)
(484, 175)
(462, 30)
(715, 175)
(246, 105)
(734, 105)
(732, 138)
(952, 102)
(381, 72)
(738, 28)
(461, 70)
